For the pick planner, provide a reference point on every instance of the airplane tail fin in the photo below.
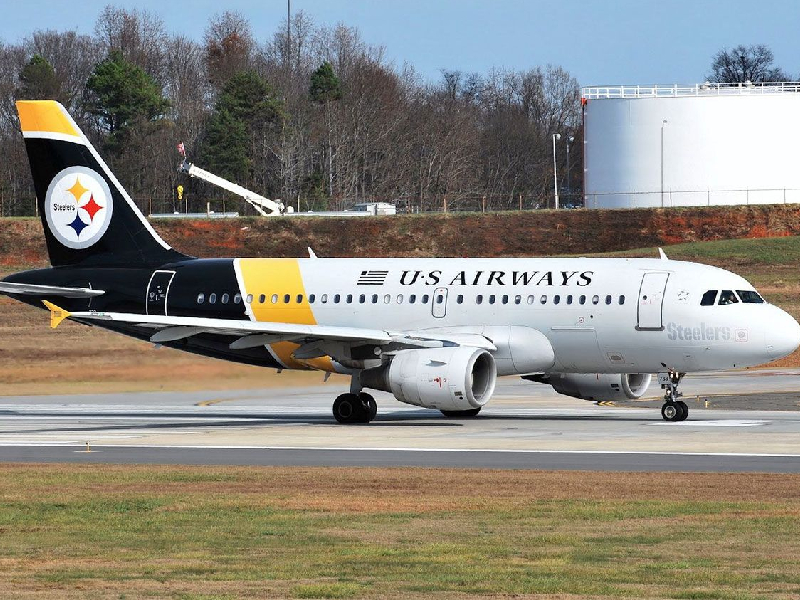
(88, 217)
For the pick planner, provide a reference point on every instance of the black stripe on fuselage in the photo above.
(126, 291)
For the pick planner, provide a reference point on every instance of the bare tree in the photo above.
(229, 47)
(745, 63)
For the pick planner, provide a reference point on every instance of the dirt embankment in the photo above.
(532, 233)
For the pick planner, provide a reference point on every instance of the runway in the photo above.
(525, 426)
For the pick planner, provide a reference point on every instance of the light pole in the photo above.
(570, 139)
(556, 136)
(663, 124)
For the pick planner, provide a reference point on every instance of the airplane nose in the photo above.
(782, 334)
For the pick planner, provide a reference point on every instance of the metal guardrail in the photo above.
(698, 89)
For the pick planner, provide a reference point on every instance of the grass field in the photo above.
(210, 532)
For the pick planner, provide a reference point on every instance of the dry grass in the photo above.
(221, 532)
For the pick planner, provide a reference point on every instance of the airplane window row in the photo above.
(410, 299)
(730, 297)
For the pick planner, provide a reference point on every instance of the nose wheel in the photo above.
(673, 409)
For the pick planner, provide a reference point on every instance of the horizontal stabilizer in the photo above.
(30, 289)
(57, 314)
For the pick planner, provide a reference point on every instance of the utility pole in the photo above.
(556, 136)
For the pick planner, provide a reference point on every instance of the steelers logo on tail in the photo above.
(78, 207)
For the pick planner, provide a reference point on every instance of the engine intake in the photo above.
(458, 378)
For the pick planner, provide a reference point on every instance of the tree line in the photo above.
(317, 117)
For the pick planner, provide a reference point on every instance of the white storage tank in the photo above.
(706, 144)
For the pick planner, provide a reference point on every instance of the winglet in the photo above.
(57, 314)
(311, 253)
(662, 254)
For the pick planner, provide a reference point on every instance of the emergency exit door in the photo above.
(439, 304)
(651, 301)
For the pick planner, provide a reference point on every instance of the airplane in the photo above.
(434, 332)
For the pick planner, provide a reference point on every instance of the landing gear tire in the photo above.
(674, 411)
(370, 405)
(472, 412)
(355, 408)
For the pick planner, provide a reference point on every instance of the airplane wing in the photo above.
(249, 334)
(30, 289)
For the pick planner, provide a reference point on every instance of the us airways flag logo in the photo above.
(78, 207)
(372, 277)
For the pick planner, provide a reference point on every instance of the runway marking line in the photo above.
(421, 450)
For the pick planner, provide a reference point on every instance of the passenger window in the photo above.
(201, 297)
(531, 299)
(362, 298)
(262, 298)
(287, 298)
(274, 298)
(249, 299)
(237, 298)
(337, 298)
(212, 299)
(460, 299)
(556, 299)
(582, 299)
(324, 298)
(569, 298)
(412, 298)
(387, 298)
(505, 298)
(312, 298)
(479, 299)
(608, 299)
(374, 298)
(517, 299)
(595, 299)
(425, 298)
(439, 298)
(622, 299)
(299, 298)
(399, 298)
(491, 298)
(543, 299)
(750, 297)
(225, 298)
(708, 298)
(349, 298)
(727, 297)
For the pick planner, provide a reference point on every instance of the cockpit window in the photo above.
(708, 298)
(750, 297)
(727, 297)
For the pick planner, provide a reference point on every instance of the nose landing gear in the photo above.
(673, 409)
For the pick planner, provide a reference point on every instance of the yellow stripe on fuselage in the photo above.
(44, 116)
(281, 277)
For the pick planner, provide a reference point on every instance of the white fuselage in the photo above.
(599, 315)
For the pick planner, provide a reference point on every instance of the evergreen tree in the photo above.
(122, 94)
(39, 81)
(325, 86)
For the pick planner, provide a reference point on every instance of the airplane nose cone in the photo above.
(782, 334)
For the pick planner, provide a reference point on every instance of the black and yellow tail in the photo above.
(88, 217)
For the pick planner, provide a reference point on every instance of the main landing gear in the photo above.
(355, 407)
(673, 409)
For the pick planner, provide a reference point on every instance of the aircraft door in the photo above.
(439, 302)
(651, 301)
(157, 291)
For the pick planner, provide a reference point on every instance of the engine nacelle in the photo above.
(599, 387)
(457, 378)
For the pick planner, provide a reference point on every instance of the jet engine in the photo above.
(448, 379)
(598, 387)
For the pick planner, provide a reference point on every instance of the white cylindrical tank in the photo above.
(691, 146)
